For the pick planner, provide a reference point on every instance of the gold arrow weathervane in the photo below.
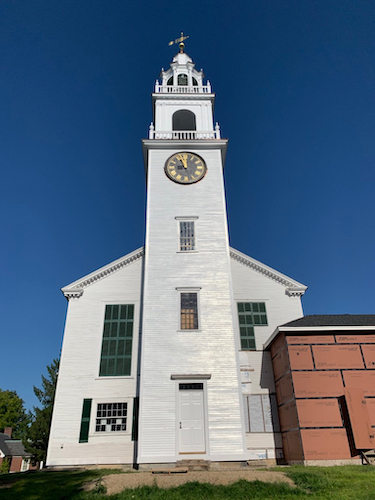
(180, 41)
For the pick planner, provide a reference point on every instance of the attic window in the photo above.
(170, 81)
(182, 79)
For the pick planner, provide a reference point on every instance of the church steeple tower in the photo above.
(190, 397)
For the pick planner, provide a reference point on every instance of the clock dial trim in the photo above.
(185, 167)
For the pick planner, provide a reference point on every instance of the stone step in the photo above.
(194, 465)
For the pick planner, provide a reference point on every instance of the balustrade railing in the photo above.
(184, 134)
(182, 89)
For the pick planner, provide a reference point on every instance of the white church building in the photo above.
(162, 358)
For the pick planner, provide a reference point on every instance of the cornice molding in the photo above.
(294, 291)
(293, 288)
(72, 294)
(76, 289)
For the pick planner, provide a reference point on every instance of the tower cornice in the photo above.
(186, 144)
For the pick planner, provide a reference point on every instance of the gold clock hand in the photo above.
(183, 160)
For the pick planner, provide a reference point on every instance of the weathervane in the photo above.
(180, 41)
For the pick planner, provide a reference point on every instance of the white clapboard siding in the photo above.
(166, 350)
(79, 373)
(263, 440)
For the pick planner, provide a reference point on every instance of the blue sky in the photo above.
(295, 96)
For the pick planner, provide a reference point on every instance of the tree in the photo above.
(38, 433)
(13, 414)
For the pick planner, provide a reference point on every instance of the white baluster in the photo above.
(151, 131)
(217, 130)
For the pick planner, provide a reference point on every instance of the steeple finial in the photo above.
(181, 41)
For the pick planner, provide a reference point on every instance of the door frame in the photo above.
(189, 379)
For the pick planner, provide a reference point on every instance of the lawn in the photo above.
(313, 483)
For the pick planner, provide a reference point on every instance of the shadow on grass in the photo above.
(44, 485)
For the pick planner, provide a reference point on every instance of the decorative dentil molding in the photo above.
(293, 288)
(76, 289)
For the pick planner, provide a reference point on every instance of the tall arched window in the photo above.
(183, 120)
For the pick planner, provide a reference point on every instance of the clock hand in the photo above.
(183, 160)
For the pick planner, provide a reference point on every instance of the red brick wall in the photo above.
(15, 465)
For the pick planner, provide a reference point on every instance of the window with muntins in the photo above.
(187, 236)
(111, 417)
(117, 340)
(250, 314)
(189, 311)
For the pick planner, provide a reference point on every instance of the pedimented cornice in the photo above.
(76, 289)
(292, 288)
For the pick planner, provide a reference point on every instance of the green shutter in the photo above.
(117, 341)
(135, 420)
(85, 421)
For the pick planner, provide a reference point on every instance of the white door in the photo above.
(191, 418)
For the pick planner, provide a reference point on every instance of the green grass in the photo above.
(313, 483)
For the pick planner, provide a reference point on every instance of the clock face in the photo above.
(185, 168)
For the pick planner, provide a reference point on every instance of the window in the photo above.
(189, 311)
(250, 314)
(117, 340)
(183, 119)
(111, 417)
(195, 83)
(182, 79)
(261, 413)
(25, 464)
(170, 81)
(85, 421)
(187, 236)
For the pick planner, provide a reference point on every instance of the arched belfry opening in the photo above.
(183, 120)
(182, 79)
